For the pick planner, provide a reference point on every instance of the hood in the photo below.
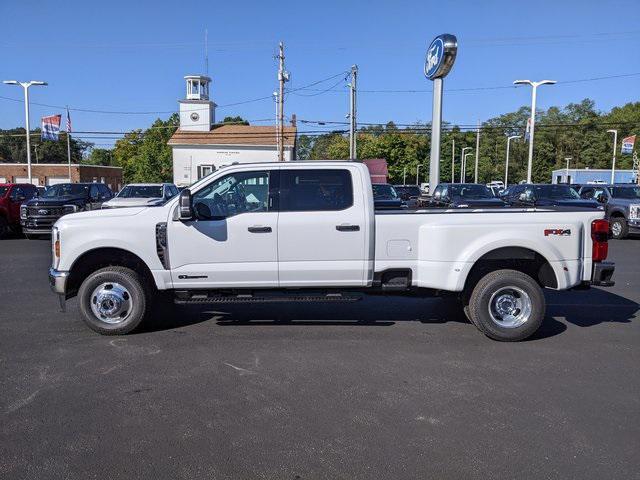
(55, 201)
(479, 202)
(130, 202)
(624, 202)
(568, 203)
(108, 213)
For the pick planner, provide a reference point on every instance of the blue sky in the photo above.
(131, 56)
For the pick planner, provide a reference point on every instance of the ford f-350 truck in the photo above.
(308, 231)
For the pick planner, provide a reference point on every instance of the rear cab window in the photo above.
(309, 190)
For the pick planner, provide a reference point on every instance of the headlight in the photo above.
(55, 247)
(23, 212)
(70, 209)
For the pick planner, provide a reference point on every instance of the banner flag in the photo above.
(51, 127)
(627, 145)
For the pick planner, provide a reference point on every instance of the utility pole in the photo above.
(35, 147)
(463, 165)
(283, 77)
(568, 159)
(453, 159)
(277, 104)
(613, 164)
(206, 51)
(418, 174)
(404, 176)
(477, 152)
(25, 86)
(69, 143)
(352, 113)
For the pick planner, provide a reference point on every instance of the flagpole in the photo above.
(69, 143)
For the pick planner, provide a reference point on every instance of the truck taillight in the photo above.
(600, 236)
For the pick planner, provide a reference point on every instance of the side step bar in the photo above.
(204, 297)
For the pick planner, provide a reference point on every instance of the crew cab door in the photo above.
(232, 241)
(322, 228)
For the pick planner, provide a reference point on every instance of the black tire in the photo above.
(511, 285)
(136, 296)
(4, 228)
(619, 228)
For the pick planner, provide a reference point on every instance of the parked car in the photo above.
(464, 195)
(386, 197)
(12, 196)
(309, 232)
(38, 215)
(621, 203)
(142, 195)
(545, 195)
(499, 184)
(412, 195)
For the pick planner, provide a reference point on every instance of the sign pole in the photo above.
(436, 130)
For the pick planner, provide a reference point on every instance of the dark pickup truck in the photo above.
(12, 196)
(464, 195)
(621, 204)
(38, 215)
(545, 195)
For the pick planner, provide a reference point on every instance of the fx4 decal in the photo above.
(557, 231)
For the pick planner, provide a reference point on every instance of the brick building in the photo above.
(52, 173)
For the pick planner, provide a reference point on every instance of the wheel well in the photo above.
(521, 259)
(617, 214)
(99, 258)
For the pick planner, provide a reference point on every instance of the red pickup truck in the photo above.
(11, 197)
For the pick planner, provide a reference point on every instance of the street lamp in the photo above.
(613, 164)
(453, 160)
(506, 164)
(534, 90)
(25, 86)
(465, 167)
(417, 174)
(568, 159)
(463, 164)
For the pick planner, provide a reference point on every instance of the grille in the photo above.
(45, 211)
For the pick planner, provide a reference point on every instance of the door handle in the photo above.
(348, 228)
(259, 229)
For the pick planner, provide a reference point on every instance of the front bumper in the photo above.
(58, 281)
(602, 273)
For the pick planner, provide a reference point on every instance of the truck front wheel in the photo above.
(507, 305)
(113, 300)
(619, 228)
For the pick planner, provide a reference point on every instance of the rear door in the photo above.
(321, 228)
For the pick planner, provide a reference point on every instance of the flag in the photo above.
(68, 122)
(627, 145)
(51, 127)
(527, 131)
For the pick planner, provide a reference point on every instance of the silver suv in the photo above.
(622, 206)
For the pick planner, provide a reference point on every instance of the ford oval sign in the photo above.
(440, 56)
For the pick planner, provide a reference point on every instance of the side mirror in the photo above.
(184, 205)
(601, 198)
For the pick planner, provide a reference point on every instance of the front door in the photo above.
(322, 229)
(232, 241)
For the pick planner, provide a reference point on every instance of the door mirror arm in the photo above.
(185, 207)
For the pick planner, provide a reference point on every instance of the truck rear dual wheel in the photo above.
(507, 305)
(113, 300)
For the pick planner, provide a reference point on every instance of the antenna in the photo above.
(206, 51)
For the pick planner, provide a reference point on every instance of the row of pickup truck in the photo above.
(312, 231)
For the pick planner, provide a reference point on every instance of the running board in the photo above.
(200, 297)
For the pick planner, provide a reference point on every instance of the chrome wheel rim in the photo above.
(616, 228)
(510, 307)
(111, 303)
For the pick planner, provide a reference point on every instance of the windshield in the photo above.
(384, 192)
(141, 191)
(556, 192)
(630, 193)
(3, 191)
(66, 190)
(469, 191)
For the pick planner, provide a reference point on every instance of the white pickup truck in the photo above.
(307, 231)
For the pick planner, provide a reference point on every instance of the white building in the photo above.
(201, 147)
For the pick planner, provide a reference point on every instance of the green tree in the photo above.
(13, 147)
(237, 120)
(100, 156)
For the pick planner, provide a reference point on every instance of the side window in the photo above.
(93, 191)
(104, 190)
(445, 192)
(437, 192)
(233, 194)
(587, 193)
(17, 192)
(315, 190)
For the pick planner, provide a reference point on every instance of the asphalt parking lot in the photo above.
(382, 388)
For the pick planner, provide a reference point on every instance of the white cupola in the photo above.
(197, 112)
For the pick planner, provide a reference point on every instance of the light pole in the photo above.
(25, 86)
(506, 163)
(534, 91)
(404, 176)
(418, 174)
(453, 160)
(463, 165)
(613, 164)
(567, 159)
